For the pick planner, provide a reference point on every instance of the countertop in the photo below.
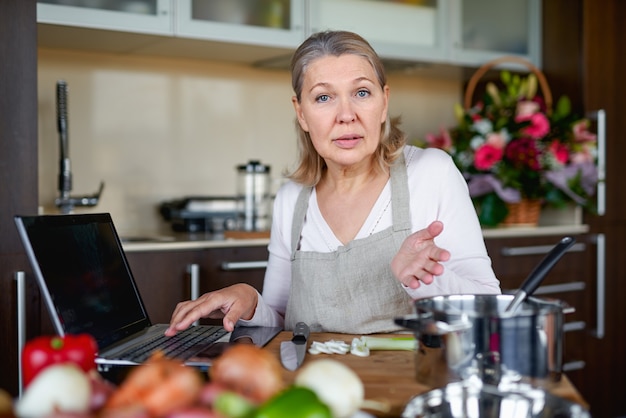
(389, 376)
(191, 241)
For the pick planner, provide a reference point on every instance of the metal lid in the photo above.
(253, 166)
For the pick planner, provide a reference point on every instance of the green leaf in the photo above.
(563, 107)
(492, 210)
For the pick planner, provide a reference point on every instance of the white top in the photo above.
(437, 190)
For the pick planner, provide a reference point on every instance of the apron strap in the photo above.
(298, 218)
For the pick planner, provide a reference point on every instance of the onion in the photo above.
(249, 371)
(57, 388)
(337, 385)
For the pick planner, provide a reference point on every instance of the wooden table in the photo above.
(389, 376)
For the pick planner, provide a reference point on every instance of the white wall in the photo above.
(155, 129)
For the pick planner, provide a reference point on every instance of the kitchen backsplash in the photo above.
(154, 129)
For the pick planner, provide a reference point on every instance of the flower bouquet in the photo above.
(514, 147)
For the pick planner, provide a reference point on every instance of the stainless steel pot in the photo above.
(463, 400)
(465, 336)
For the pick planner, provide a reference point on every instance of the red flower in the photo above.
(523, 152)
(487, 156)
(559, 151)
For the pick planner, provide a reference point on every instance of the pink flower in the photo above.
(559, 151)
(496, 139)
(539, 125)
(581, 133)
(442, 141)
(584, 155)
(526, 108)
(487, 156)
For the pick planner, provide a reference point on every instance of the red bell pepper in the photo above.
(44, 351)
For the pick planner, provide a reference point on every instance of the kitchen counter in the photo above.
(187, 241)
(389, 376)
(191, 241)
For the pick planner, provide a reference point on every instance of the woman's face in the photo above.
(342, 108)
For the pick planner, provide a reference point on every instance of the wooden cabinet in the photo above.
(165, 278)
(585, 58)
(265, 32)
(18, 175)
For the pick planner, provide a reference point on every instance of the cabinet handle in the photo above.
(560, 288)
(243, 265)
(538, 250)
(574, 326)
(20, 278)
(194, 276)
(573, 365)
(600, 117)
(600, 285)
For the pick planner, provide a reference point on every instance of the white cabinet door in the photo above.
(272, 23)
(137, 16)
(482, 30)
(404, 30)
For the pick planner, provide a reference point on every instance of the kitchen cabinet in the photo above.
(277, 23)
(482, 30)
(584, 56)
(163, 279)
(140, 16)
(167, 277)
(407, 34)
(19, 297)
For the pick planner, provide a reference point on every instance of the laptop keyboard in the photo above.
(182, 345)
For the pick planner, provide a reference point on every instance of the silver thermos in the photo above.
(254, 198)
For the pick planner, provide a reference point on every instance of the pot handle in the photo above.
(424, 324)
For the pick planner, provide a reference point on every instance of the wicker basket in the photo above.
(528, 211)
(480, 72)
(524, 213)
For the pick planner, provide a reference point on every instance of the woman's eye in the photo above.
(322, 98)
(362, 93)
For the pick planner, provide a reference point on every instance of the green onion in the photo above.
(391, 343)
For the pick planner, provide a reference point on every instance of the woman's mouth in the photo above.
(347, 141)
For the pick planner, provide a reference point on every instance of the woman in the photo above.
(367, 223)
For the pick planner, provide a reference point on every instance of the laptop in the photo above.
(88, 287)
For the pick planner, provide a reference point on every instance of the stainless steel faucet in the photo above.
(65, 202)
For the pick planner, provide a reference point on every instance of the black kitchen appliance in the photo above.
(214, 214)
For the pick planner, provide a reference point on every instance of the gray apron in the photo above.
(351, 290)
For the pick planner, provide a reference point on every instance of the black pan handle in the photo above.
(534, 279)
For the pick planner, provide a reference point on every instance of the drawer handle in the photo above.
(560, 288)
(574, 326)
(573, 365)
(538, 250)
(600, 286)
(243, 265)
(20, 278)
(194, 277)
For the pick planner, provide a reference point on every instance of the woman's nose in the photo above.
(345, 111)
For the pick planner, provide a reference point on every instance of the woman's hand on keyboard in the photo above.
(230, 303)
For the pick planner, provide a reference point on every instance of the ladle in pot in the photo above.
(531, 283)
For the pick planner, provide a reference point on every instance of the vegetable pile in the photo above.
(61, 381)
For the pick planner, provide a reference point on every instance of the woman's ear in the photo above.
(386, 109)
(299, 115)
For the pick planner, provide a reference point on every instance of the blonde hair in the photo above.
(311, 165)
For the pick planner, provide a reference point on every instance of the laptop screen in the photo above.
(85, 273)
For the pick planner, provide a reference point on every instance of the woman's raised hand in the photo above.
(419, 259)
